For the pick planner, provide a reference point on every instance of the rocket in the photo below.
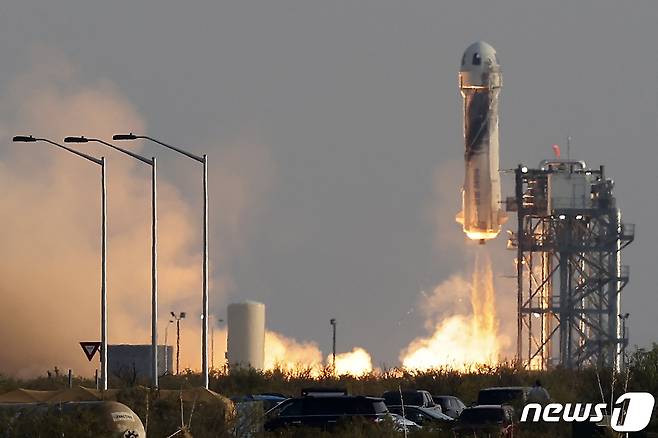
(480, 81)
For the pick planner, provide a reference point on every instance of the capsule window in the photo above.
(464, 59)
(476, 59)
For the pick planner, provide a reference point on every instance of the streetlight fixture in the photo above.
(178, 317)
(101, 162)
(154, 244)
(204, 161)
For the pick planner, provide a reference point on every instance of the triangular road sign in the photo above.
(90, 349)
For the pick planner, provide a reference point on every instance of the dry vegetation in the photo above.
(163, 416)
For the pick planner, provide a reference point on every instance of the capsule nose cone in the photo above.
(478, 56)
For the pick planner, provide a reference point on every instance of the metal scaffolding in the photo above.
(569, 240)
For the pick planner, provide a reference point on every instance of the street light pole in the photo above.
(101, 162)
(178, 317)
(154, 272)
(333, 325)
(177, 346)
(104, 279)
(212, 347)
(204, 316)
(154, 244)
(204, 323)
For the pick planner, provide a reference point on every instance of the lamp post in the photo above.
(101, 162)
(154, 245)
(212, 347)
(166, 364)
(204, 315)
(332, 321)
(178, 317)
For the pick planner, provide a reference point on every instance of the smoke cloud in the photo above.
(468, 316)
(289, 354)
(463, 335)
(50, 262)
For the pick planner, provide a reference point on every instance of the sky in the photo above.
(334, 137)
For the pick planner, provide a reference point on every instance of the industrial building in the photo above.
(134, 361)
(570, 276)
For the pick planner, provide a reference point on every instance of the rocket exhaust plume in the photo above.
(290, 355)
(356, 362)
(480, 81)
(462, 340)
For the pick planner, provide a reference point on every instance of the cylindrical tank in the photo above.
(246, 335)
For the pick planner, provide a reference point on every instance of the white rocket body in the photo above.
(480, 81)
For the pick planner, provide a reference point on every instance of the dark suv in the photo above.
(415, 397)
(324, 411)
(450, 405)
(517, 396)
(486, 421)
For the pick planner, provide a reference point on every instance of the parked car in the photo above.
(323, 392)
(416, 397)
(490, 421)
(401, 424)
(590, 429)
(423, 416)
(517, 396)
(268, 401)
(324, 412)
(450, 405)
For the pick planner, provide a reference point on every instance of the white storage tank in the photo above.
(246, 335)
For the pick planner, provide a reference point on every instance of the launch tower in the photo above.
(569, 241)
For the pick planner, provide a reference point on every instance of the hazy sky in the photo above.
(351, 120)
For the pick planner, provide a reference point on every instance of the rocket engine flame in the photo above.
(481, 235)
(290, 355)
(356, 362)
(460, 341)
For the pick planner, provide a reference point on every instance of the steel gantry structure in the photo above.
(568, 241)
